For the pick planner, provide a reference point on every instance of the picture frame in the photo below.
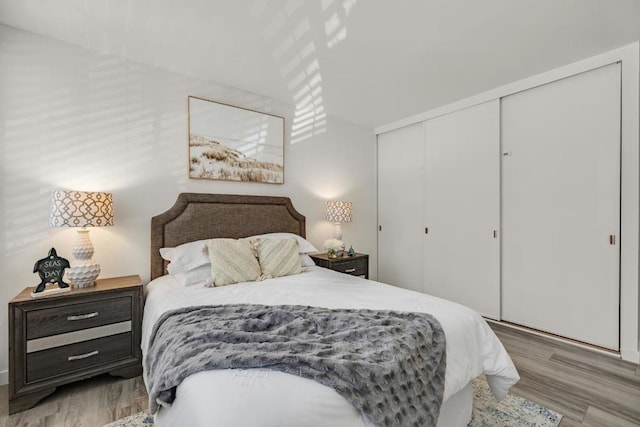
(230, 143)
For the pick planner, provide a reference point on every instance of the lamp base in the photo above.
(337, 231)
(83, 275)
(85, 271)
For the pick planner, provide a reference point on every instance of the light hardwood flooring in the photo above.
(588, 388)
(89, 403)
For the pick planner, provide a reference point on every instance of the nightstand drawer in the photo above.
(355, 267)
(74, 317)
(69, 358)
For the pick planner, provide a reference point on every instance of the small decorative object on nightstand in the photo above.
(71, 336)
(334, 248)
(51, 271)
(356, 265)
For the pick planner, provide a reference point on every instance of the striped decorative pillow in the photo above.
(232, 261)
(278, 257)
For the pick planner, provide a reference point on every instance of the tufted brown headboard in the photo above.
(196, 216)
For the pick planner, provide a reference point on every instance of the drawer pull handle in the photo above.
(82, 356)
(83, 316)
(350, 270)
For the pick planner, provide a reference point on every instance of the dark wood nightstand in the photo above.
(74, 335)
(357, 265)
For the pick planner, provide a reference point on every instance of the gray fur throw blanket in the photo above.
(389, 365)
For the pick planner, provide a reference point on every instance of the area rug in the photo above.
(514, 411)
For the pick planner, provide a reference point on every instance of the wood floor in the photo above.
(588, 388)
(90, 403)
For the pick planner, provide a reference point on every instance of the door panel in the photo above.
(401, 206)
(462, 253)
(561, 203)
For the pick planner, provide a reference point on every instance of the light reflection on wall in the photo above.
(76, 119)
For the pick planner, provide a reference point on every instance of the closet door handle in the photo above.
(495, 234)
(612, 239)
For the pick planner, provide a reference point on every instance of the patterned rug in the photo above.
(514, 411)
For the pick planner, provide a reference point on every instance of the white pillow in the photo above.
(185, 257)
(198, 276)
(304, 245)
(306, 261)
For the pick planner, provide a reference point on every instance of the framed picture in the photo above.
(234, 144)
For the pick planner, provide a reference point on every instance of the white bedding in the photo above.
(267, 398)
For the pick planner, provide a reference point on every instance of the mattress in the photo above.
(270, 398)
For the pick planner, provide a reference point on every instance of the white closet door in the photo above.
(401, 206)
(561, 204)
(462, 249)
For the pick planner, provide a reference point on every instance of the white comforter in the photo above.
(258, 397)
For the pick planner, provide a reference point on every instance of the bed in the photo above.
(233, 397)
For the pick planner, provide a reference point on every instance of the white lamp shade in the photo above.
(338, 211)
(80, 209)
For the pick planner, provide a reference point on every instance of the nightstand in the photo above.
(66, 337)
(357, 265)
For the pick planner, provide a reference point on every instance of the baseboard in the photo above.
(4, 377)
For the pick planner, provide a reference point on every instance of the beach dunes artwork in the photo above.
(234, 144)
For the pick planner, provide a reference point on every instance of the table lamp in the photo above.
(81, 209)
(338, 212)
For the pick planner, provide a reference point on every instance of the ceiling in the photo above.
(369, 62)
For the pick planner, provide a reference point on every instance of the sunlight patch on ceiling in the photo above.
(335, 32)
(289, 33)
(335, 26)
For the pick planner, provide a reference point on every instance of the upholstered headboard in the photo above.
(196, 216)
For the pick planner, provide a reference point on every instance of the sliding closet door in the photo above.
(462, 249)
(561, 207)
(401, 206)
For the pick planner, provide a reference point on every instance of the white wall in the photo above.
(75, 119)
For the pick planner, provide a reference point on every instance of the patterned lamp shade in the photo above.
(338, 211)
(80, 209)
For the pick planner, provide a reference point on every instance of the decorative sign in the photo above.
(51, 270)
